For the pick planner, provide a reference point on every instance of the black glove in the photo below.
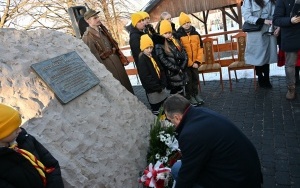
(159, 90)
(151, 29)
(260, 21)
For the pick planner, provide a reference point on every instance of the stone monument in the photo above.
(100, 138)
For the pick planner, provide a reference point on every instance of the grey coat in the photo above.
(260, 49)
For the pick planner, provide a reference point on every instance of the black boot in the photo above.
(261, 82)
(267, 83)
(297, 75)
(266, 79)
(258, 70)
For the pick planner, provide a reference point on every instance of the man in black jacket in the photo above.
(24, 162)
(215, 153)
(287, 17)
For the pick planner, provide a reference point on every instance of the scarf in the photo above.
(35, 162)
(176, 43)
(155, 66)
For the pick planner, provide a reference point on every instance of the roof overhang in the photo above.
(174, 7)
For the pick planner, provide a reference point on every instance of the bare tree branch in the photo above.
(53, 14)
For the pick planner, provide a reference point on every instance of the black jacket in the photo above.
(17, 172)
(147, 73)
(134, 42)
(290, 33)
(215, 153)
(174, 63)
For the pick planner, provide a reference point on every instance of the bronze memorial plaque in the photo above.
(67, 75)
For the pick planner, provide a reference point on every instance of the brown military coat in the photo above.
(102, 48)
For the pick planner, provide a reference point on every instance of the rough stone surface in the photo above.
(101, 137)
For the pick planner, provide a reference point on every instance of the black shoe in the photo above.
(264, 82)
(193, 101)
(267, 83)
(199, 100)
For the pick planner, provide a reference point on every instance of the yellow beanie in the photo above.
(165, 27)
(135, 18)
(10, 120)
(183, 18)
(144, 14)
(145, 42)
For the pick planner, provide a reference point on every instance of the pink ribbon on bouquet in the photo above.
(154, 176)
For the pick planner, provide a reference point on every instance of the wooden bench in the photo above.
(224, 47)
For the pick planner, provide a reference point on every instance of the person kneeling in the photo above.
(215, 153)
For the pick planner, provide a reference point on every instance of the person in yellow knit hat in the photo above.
(173, 58)
(152, 75)
(136, 31)
(148, 27)
(24, 162)
(166, 16)
(193, 45)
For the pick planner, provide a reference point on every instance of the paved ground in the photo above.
(270, 121)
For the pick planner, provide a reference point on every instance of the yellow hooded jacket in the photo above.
(192, 44)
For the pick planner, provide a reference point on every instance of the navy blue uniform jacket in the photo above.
(215, 153)
(290, 33)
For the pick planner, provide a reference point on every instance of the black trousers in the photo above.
(155, 107)
(191, 88)
(178, 89)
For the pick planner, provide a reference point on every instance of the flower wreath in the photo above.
(163, 152)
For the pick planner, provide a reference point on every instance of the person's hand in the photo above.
(295, 19)
(277, 31)
(268, 22)
(195, 65)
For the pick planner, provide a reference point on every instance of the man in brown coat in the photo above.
(105, 48)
